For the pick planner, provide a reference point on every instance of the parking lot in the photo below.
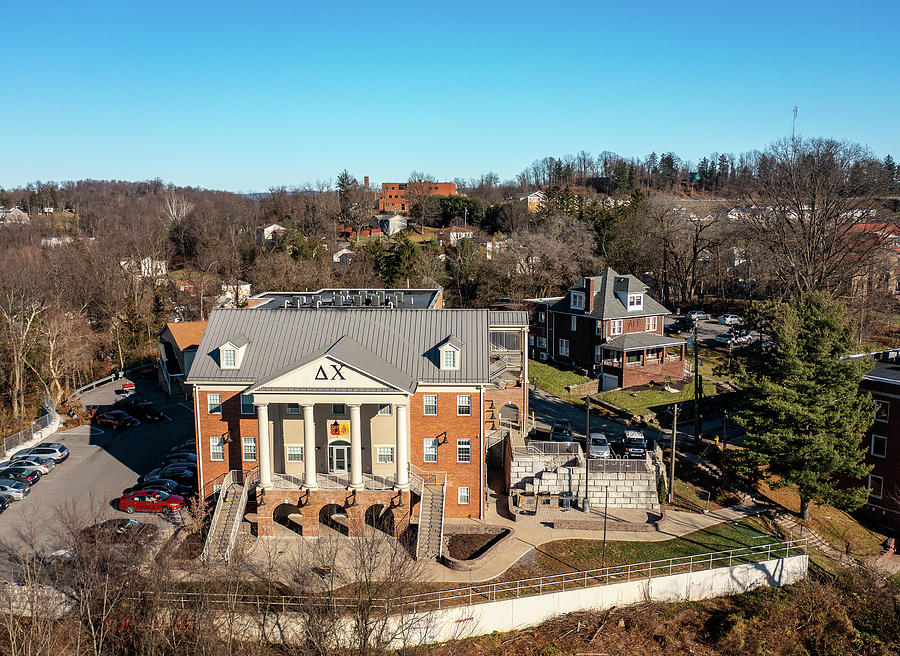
(102, 462)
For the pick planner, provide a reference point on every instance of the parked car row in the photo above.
(26, 467)
(128, 412)
(165, 488)
(599, 445)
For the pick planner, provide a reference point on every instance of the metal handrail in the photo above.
(617, 466)
(248, 480)
(227, 481)
(527, 587)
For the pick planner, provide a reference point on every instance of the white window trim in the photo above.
(459, 495)
(577, 301)
(461, 442)
(425, 405)
(433, 441)
(287, 451)
(462, 396)
(652, 324)
(639, 305)
(872, 446)
(444, 353)
(875, 413)
(880, 478)
(542, 342)
(209, 404)
(252, 407)
(218, 438)
(244, 442)
(234, 356)
(616, 326)
(378, 452)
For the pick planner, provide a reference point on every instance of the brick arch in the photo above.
(281, 515)
(381, 517)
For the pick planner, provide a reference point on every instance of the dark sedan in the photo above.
(30, 476)
(139, 407)
(180, 458)
(182, 473)
(118, 419)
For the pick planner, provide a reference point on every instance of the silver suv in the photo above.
(54, 450)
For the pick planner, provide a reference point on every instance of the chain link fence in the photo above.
(26, 435)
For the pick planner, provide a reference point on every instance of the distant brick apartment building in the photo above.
(357, 412)
(394, 195)
(882, 442)
(609, 326)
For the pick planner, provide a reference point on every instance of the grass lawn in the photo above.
(838, 528)
(575, 555)
(641, 402)
(553, 380)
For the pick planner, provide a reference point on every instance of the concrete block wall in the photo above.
(632, 490)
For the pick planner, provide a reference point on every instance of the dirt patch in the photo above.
(188, 548)
(464, 546)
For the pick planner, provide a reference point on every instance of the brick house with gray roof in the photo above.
(341, 415)
(609, 326)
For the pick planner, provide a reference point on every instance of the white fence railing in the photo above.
(487, 592)
(26, 435)
(618, 466)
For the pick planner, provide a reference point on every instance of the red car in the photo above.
(151, 501)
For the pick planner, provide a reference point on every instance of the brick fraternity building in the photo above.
(609, 326)
(363, 413)
(882, 442)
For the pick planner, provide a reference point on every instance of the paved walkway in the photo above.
(531, 534)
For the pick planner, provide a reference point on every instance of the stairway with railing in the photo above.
(228, 515)
(430, 486)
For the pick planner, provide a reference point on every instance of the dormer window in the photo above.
(232, 352)
(577, 300)
(448, 353)
(635, 302)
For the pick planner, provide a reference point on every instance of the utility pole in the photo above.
(724, 430)
(586, 502)
(672, 455)
(698, 387)
(605, 515)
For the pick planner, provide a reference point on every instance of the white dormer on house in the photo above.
(231, 353)
(576, 300)
(630, 292)
(635, 302)
(449, 354)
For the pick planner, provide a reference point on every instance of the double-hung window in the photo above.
(882, 410)
(229, 360)
(385, 454)
(651, 324)
(247, 404)
(463, 495)
(879, 446)
(542, 342)
(294, 452)
(216, 447)
(464, 405)
(598, 353)
(573, 323)
(464, 450)
(214, 404)
(577, 300)
(449, 360)
(564, 347)
(249, 447)
(598, 328)
(430, 405)
(876, 486)
(430, 449)
(615, 327)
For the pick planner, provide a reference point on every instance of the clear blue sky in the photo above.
(246, 95)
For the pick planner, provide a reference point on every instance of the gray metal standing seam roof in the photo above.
(403, 340)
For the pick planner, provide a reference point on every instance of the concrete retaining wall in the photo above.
(514, 614)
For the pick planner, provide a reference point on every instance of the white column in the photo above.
(356, 480)
(265, 454)
(402, 451)
(309, 447)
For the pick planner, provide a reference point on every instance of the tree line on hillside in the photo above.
(76, 297)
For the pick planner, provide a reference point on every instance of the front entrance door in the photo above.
(338, 457)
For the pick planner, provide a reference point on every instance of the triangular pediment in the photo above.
(325, 372)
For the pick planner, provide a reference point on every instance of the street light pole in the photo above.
(672, 457)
